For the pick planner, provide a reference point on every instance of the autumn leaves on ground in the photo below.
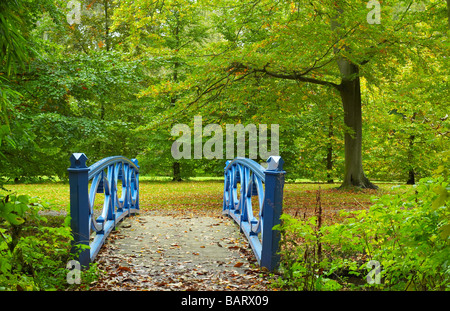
(203, 197)
(193, 200)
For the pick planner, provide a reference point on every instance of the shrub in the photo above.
(406, 235)
(33, 256)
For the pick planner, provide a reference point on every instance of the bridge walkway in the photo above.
(176, 250)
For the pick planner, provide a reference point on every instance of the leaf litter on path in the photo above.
(178, 251)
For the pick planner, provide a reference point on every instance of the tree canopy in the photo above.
(360, 90)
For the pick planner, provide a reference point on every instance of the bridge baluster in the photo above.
(82, 199)
(273, 205)
(251, 176)
(79, 205)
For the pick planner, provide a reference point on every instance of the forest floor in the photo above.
(180, 240)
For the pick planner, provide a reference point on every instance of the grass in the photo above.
(299, 198)
(55, 193)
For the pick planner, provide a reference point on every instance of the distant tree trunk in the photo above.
(330, 152)
(411, 173)
(176, 171)
(107, 43)
(350, 92)
(411, 179)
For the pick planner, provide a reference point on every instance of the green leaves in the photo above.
(11, 217)
(32, 255)
(13, 46)
(442, 198)
(408, 235)
(12, 208)
(441, 202)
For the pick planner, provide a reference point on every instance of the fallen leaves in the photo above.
(210, 255)
(124, 269)
(206, 197)
(299, 200)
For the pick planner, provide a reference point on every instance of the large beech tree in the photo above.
(333, 44)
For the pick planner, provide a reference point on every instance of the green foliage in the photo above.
(302, 266)
(14, 51)
(130, 73)
(13, 54)
(33, 254)
(67, 107)
(65, 101)
(407, 234)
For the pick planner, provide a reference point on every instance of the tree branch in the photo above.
(293, 76)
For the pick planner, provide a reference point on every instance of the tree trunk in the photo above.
(176, 171)
(411, 174)
(330, 152)
(106, 27)
(411, 179)
(350, 92)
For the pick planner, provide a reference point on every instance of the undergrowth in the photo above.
(400, 243)
(33, 251)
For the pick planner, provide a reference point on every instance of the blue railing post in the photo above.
(79, 205)
(135, 161)
(273, 203)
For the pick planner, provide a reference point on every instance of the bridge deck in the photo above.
(178, 252)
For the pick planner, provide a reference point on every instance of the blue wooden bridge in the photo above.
(117, 180)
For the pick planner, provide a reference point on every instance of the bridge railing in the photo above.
(244, 179)
(116, 179)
